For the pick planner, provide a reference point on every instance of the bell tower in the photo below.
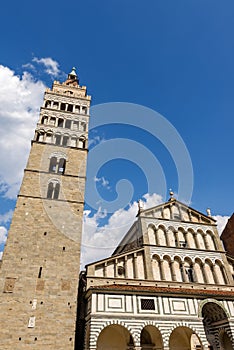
(41, 260)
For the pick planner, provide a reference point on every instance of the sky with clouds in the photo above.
(174, 57)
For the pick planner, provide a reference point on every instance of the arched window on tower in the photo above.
(61, 165)
(65, 140)
(56, 190)
(50, 190)
(47, 104)
(44, 119)
(68, 123)
(58, 139)
(82, 142)
(53, 190)
(70, 108)
(53, 164)
(40, 136)
(60, 122)
(63, 107)
(57, 165)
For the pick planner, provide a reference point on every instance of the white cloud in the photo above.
(221, 222)
(4, 218)
(3, 235)
(96, 140)
(51, 66)
(20, 99)
(99, 242)
(102, 181)
(151, 200)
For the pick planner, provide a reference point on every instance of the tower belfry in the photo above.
(41, 260)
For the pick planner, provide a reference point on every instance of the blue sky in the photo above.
(175, 57)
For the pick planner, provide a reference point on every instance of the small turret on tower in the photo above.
(72, 78)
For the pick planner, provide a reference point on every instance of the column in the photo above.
(167, 238)
(162, 274)
(195, 279)
(196, 240)
(190, 215)
(116, 268)
(105, 269)
(207, 246)
(186, 239)
(126, 266)
(215, 277)
(56, 122)
(135, 265)
(173, 273)
(204, 273)
(177, 239)
(184, 274)
(156, 237)
(171, 212)
(224, 274)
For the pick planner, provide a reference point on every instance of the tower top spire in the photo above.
(73, 72)
(72, 78)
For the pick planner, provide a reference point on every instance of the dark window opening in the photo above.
(70, 108)
(63, 106)
(47, 104)
(50, 190)
(61, 166)
(44, 120)
(121, 270)
(37, 136)
(147, 304)
(65, 140)
(183, 244)
(40, 272)
(57, 139)
(53, 163)
(68, 124)
(190, 274)
(83, 126)
(60, 123)
(56, 191)
(53, 190)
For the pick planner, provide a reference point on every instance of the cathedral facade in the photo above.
(167, 286)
